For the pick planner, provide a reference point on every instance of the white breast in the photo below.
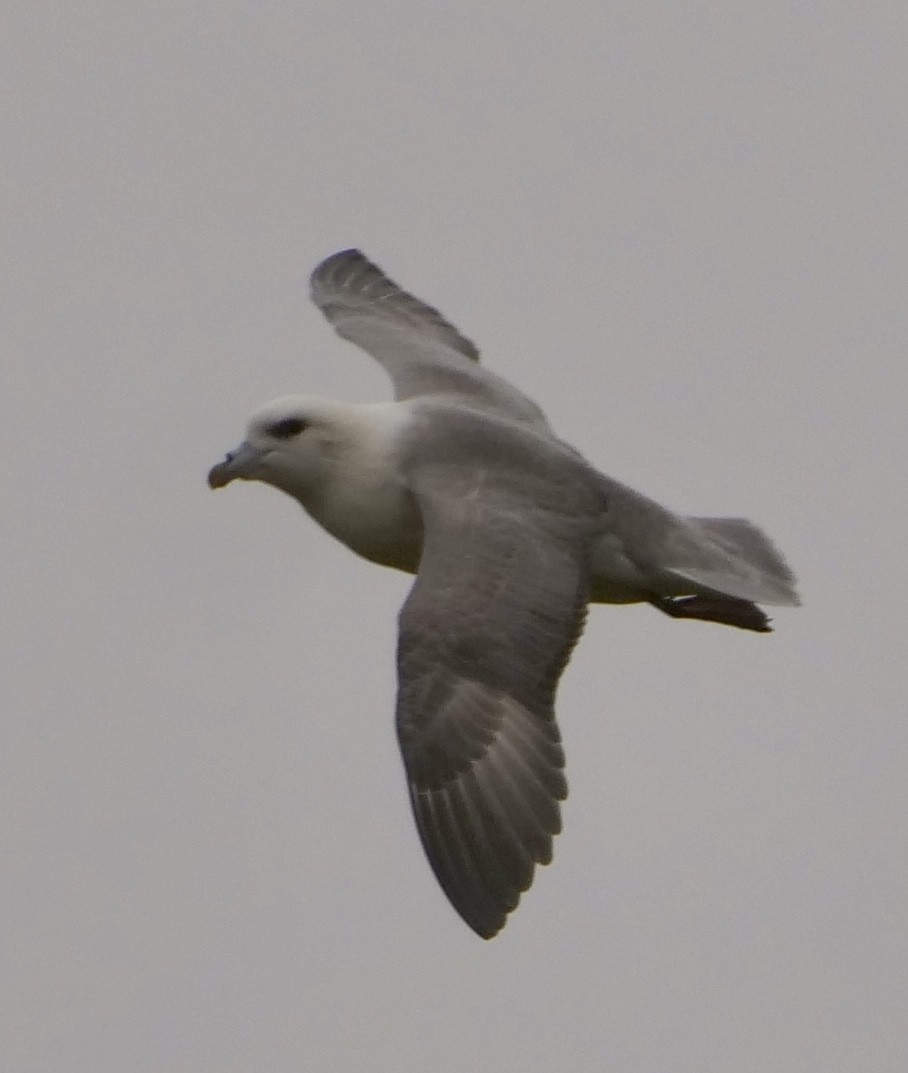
(362, 500)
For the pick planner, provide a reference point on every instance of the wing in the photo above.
(498, 604)
(421, 352)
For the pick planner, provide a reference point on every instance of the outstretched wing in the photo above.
(421, 351)
(497, 606)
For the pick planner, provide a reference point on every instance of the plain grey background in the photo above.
(682, 228)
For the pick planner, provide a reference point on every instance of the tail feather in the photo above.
(737, 559)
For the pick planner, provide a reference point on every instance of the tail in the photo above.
(738, 560)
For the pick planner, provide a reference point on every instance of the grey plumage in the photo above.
(511, 534)
(480, 653)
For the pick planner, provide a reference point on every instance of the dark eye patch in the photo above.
(286, 428)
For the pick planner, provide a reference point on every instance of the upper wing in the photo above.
(497, 606)
(421, 352)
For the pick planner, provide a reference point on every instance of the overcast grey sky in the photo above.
(681, 227)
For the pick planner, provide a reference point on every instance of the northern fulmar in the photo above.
(510, 533)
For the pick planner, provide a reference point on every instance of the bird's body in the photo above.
(511, 533)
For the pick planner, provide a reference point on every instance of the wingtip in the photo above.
(485, 925)
(349, 256)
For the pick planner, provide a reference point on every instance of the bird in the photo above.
(511, 533)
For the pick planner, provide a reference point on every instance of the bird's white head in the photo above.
(289, 443)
